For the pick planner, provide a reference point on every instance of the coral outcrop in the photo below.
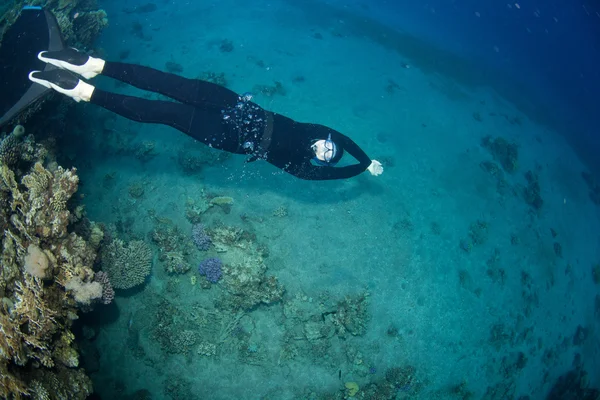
(244, 270)
(41, 255)
(127, 265)
(503, 151)
(174, 247)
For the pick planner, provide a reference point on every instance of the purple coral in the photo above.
(200, 237)
(108, 293)
(212, 268)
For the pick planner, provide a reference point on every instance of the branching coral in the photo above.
(128, 265)
(46, 207)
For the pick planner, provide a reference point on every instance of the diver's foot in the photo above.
(74, 60)
(64, 82)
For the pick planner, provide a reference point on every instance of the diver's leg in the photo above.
(191, 91)
(177, 115)
(203, 124)
(73, 60)
(63, 82)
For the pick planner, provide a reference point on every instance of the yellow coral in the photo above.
(37, 181)
(351, 388)
(96, 236)
(36, 262)
(222, 201)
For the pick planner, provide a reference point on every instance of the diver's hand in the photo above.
(375, 168)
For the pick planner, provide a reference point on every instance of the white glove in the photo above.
(375, 168)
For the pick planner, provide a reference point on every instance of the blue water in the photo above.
(461, 272)
(549, 49)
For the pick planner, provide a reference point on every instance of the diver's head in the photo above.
(326, 152)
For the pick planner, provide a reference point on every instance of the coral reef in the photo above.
(193, 160)
(573, 385)
(174, 247)
(270, 90)
(221, 201)
(214, 77)
(531, 193)
(11, 146)
(145, 151)
(244, 271)
(478, 233)
(127, 265)
(317, 329)
(593, 186)
(84, 292)
(351, 315)
(497, 173)
(108, 293)
(200, 237)
(194, 208)
(596, 274)
(88, 26)
(173, 67)
(47, 189)
(36, 262)
(41, 257)
(136, 190)
(226, 46)
(351, 388)
(504, 152)
(212, 269)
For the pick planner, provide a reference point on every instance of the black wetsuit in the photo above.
(220, 118)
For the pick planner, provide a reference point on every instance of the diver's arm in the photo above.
(320, 173)
(352, 148)
(373, 166)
